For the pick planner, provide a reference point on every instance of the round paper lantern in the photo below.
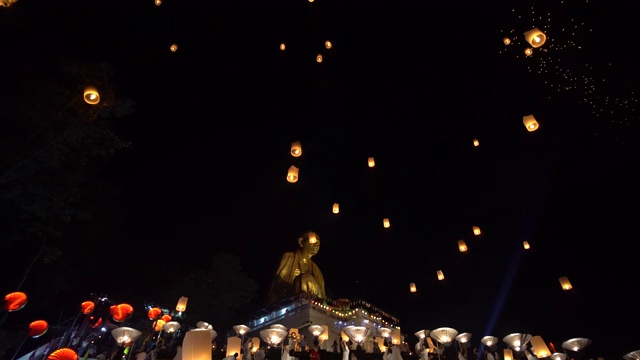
(158, 325)
(38, 328)
(166, 318)
(154, 313)
(91, 95)
(87, 307)
(121, 312)
(63, 354)
(15, 301)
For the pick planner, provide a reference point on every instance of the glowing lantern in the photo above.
(528, 51)
(87, 307)
(319, 58)
(91, 95)
(508, 354)
(38, 328)
(124, 335)
(386, 223)
(440, 275)
(490, 341)
(313, 238)
(476, 142)
(476, 230)
(517, 341)
(166, 318)
(526, 245)
(371, 162)
(336, 208)
(444, 335)
(182, 304)
(462, 246)
(273, 336)
(158, 2)
(234, 345)
(535, 37)
(256, 344)
(154, 313)
(292, 174)
(412, 287)
(7, 3)
(576, 344)
(63, 354)
(282, 46)
(396, 338)
(197, 345)
(463, 338)
(328, 44)
(15, 301)
(173, 47)
(530, 123)
(171, 327)
(296, 149)
(158, 325)
(506, 41)
(540, 348)
(324, 336)
(121, 312)
(564, 282)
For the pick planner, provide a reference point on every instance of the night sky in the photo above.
(410, 83)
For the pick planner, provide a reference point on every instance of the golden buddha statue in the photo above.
(297, 273)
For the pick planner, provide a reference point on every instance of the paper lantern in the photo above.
(444, 335)
(506, 40)
(273, 336)
(182, 304)
(476, 231)
(508, 354)
(526, 245)
(463, 338)
(462, 246)
(371, 162)
(91, 95)
(38, 328)
(282, 46)
(476, 142)
(166, 318)
(325, 333)
(412, 287)
(396, 338)
(328, 44)
(440, 275)
(171, 327)
(234, 345)
(357, 334)
(421, 334)
(336, 208)
(528, 51)
(576, 344)
(121, 312)
(386, 223)
(296, 149)
(564, 282)
(158, 2)
(540, 348)
(278, 326)
(535, 37)
(63, 354)
(124, 335)
(256, 344)
(15, 301)
(154, 313)
(197, 345)
(241, 329)
(292, 174)
(173, 47)
(316, 330)
(489, 341)
(87, 307)
(385, 332)
(517, 341)
(319, 58)
(158, 325)
(530, 123)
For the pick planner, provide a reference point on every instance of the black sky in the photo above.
(411, 84)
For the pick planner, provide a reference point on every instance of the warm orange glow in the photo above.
(440, 275)
(564, 282)
(158, 2)
(336, 208)
(166, 318)
(539, 347)
(371, 162)
(313, 238)
(526, 245)
(182, 304)
(462, 246)
(121, 312)
(87, 307)
(91, 95)
(528, 51)
(328, 44)
(476, 230)
(154, 313)
(282, 46)
(530, 123)
(63, 354)
(386, 223)
(476, 142)
(157, 326)
(38, 328)
(508, 354)
(412, 287)
(292, 174)
(506, 41)
(319, 58)
(296, 149)
(535, 37)
(15, 301)
(173, 48)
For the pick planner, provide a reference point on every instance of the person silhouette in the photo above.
(297, 272)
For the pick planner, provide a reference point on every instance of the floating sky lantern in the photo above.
(328, 44)
(530, 123)
(535, 37)
(7, 3)
(565, 283)
(91, 95)
(158, 2)
(292, 174)
(319, 58)
(386, 223)
(182, 304)
(296, 149)
(506, 40)
(476, 142)
(173, 47)
(440, 275)
(462, 246)
(283, 46)
(528, 51)
(526, 245)
(476, 230)
(336, 208)
(371, 162)
(412, 287)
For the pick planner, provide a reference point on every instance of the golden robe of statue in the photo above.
(297, 273)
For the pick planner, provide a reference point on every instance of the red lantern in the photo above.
(38, 328)
(154, 313)
(121, 312)
(15, 301)
(87, 307)
(166, 318)
(63, 354)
